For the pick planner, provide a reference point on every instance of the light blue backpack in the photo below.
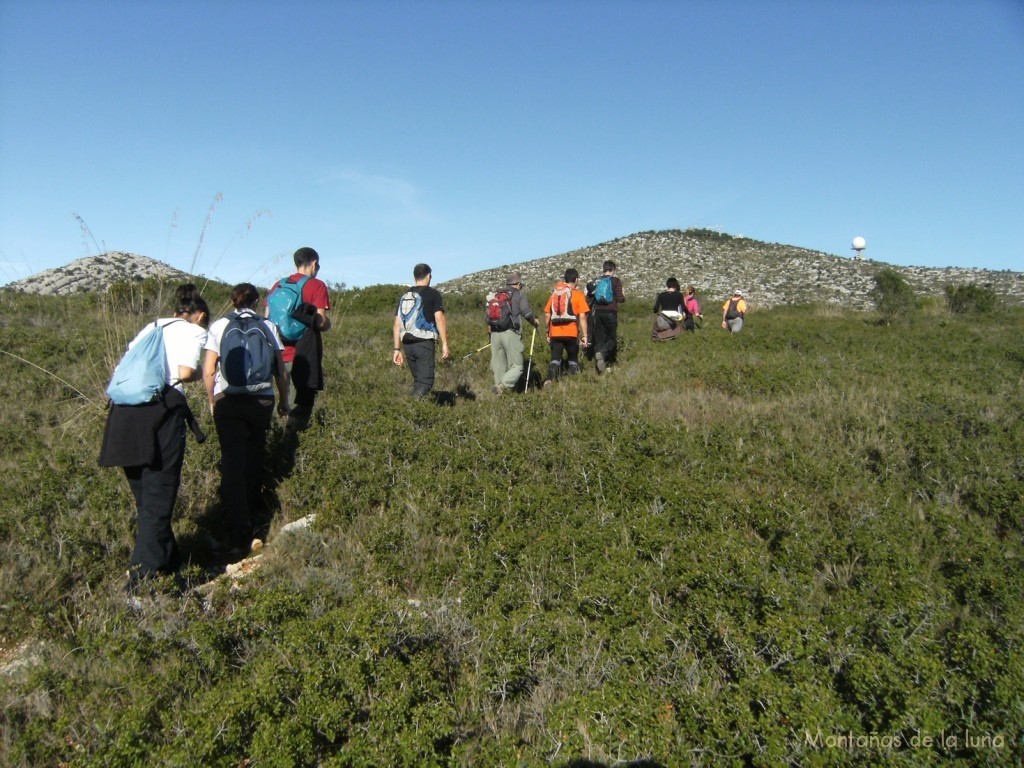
(141, 375)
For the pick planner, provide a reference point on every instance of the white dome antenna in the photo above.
(859, 245)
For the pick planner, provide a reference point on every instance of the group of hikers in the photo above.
(420, 324)
(574, 321)
(241, 359)
(243, 356)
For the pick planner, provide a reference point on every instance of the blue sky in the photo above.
(472, 134)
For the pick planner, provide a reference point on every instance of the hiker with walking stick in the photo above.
(505, 311)
(529, 365)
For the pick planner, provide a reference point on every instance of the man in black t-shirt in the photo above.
(419, 322)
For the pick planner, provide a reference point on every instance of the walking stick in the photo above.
(485, 346)
(529, 365)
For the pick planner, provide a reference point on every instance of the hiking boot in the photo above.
(547, 383)
(497, 389)
(599, 361)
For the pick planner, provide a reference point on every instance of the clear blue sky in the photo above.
(472, 134)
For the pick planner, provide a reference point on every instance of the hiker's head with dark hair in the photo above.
(304, 257)
(672, 284)
(421, 271)
(188, 301)
(571, 275)
(608, 266)
(244, 296)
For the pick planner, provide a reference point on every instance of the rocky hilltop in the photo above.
(769, 274)
(96, 274)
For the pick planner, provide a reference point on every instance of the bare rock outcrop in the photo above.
(95, 274)
(769, 274)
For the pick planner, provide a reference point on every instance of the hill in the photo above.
(95, 274)
(769, 274)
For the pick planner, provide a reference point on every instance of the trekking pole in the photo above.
(485, 346)
(529, 364)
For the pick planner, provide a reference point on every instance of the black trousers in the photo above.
(570, 345)
(242, 423)
(420, 356)
(606, 328)
(155, 488)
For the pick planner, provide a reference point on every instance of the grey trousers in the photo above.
(506, 357)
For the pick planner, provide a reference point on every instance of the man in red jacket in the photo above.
(302, 356)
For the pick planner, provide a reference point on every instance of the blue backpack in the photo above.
(604, 291)
(412, 318)
(247, 356)
(141, 375)
(281, 302)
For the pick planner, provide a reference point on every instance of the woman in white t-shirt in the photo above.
(242, 403)
(149, 440)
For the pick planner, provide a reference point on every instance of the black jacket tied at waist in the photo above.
(129, 437)
(307, 365)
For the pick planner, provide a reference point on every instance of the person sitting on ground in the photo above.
(669, 312)
(733, 312)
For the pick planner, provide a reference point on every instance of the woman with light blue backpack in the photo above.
(147, 438)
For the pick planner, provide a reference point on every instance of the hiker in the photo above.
(565, 317)
(605, 317)
(693, 308)
(148, 440)
(299, 310)
(588, 351)
(243, 362)
(733, 312)
(419, 323)
(669, 312)
(505, 311)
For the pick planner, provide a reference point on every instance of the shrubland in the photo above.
(797, 545)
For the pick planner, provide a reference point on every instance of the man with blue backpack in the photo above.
(419, 323)
(298, 306)
(605, 316)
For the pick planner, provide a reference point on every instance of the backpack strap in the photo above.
(171, 381)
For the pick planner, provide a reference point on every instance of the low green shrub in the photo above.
(795, 545)
(971, 298)
(892, 294)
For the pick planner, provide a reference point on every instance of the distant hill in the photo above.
(96, 274)
(769, 274)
